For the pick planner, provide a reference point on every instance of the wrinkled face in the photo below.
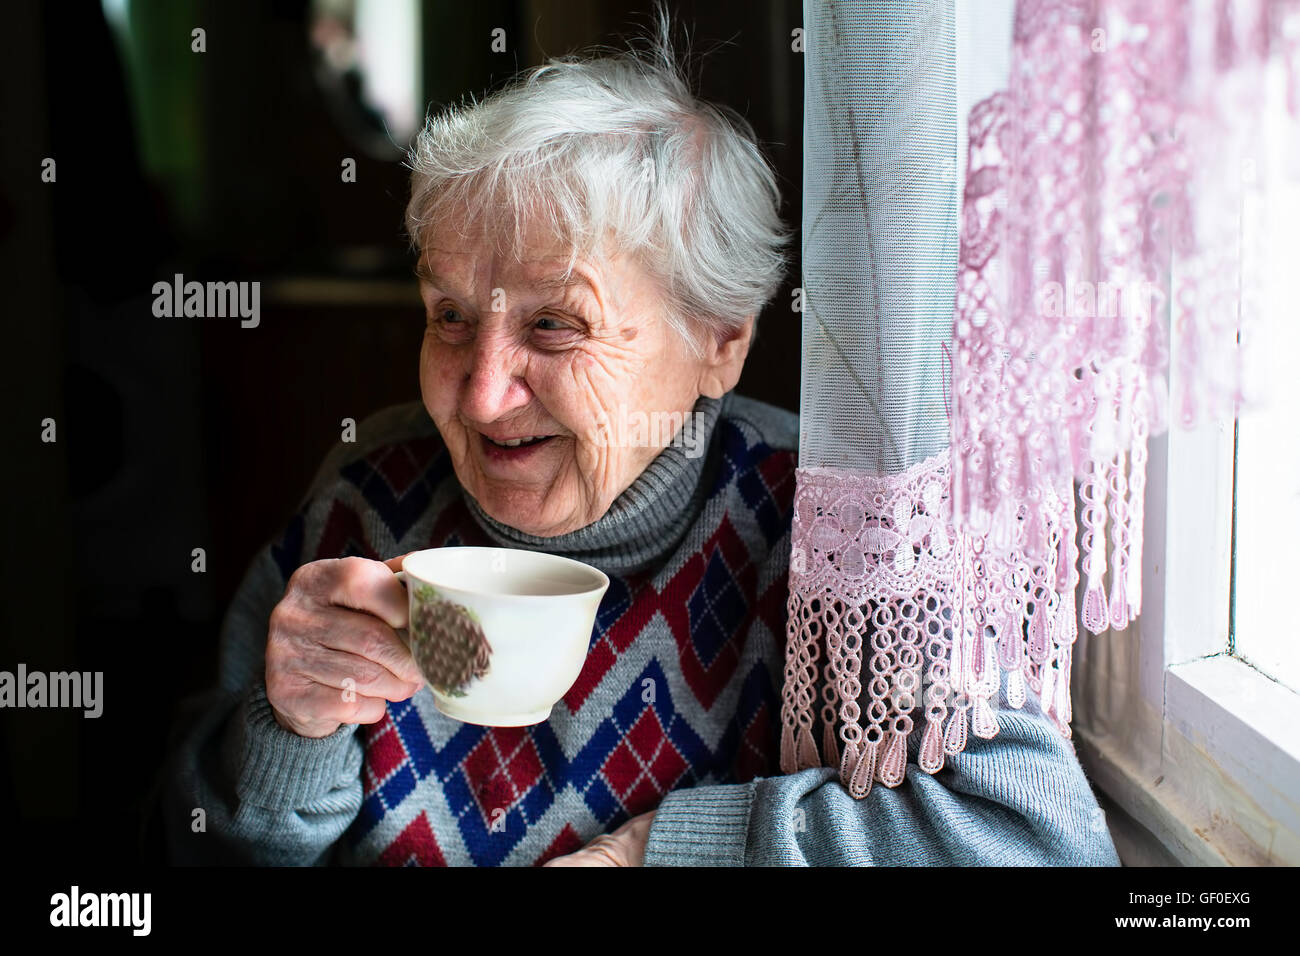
(512, 352)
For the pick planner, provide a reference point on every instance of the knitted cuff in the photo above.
(279, 770)
(701, 826)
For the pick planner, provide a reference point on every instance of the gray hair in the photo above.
(615, 147)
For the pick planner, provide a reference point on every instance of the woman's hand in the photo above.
(332, 651)
(624, 847)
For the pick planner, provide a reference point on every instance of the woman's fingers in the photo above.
(360, 675)
(318, 711)
(332, 652)
(366, 637)
(363, 603)
(359, 584)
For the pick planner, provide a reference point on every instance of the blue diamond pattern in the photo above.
(398, 513)
(714, 607)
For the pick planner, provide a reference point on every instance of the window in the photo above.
(1266, 538)
(1189, 721)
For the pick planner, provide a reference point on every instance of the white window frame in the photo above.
(1211, 767)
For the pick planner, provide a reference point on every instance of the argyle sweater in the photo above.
(676, 710)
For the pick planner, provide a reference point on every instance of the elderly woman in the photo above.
(594, 245)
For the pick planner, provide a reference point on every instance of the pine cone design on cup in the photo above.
(448, 643)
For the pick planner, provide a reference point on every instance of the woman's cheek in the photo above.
(438, 392)
(430, 383)
(596, 390)
(595, 443)
(574, 395)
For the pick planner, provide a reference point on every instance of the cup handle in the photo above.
(401, 577)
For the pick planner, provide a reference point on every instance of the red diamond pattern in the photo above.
(507, 763)
(525, 767)
(341, 528)
(414, 846)
(622, 769)
(778, 471)
(384, 752)
(645, 765)
(643, 798)
(567, 842)
(399, 466)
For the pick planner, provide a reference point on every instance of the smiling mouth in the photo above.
(506, 451)
(518, 442)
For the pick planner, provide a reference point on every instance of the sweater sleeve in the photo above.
(239, 788)
(1018, 799)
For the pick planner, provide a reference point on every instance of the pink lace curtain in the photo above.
(1100, 251)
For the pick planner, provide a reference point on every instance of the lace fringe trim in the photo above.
(879, 576)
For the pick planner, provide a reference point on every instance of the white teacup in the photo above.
(500, 634)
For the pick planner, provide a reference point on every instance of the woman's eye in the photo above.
(555, 324)
(447, 322)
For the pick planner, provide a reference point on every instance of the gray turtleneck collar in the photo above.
(646, 522)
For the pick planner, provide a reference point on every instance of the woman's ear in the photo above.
(724, 357)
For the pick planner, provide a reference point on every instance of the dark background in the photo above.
(179, 433)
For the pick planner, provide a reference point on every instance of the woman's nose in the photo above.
(494, 382)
